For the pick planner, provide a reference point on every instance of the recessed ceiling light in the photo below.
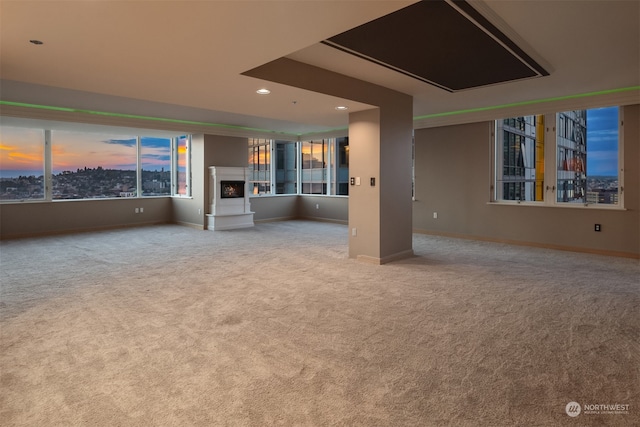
(263, 91)
(37, 42)
(341, 108)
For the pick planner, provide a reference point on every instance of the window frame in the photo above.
(47, 144)
(141, 167)
(257, 147)
(42, 136)
(550, 182)
(174, 166)
(331, 158)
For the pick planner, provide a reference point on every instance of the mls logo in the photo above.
(573, 409)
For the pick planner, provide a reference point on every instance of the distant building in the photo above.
(571, 131)
(520, 153)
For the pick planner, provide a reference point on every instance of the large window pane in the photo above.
(520, 158)
(286, 168)
(21, 163)
(155, 159)
(314, 167)
(588, 156)
(87, 165)
(342, 180)
(260, 165)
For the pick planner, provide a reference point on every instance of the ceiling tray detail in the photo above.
(445, 43)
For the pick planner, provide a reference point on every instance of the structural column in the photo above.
(380, 207)
(380, 211)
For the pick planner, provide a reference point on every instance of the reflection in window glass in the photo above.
(587, 156)
(520, 158)
(88, 165)
(21, 163)
(155, 158)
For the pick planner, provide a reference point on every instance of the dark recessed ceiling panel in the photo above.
(444, 43)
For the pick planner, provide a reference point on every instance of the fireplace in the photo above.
(229, 198)
(231, 189)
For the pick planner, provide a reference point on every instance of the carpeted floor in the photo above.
(170, 326)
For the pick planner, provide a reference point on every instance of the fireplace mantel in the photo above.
(229, 198)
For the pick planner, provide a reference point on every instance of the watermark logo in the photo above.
(573, 409)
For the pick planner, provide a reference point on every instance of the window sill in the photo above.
(35, 201)
(594, 206)
(292, 194)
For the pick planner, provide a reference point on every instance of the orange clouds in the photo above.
(28, 156)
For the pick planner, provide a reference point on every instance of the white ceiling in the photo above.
(184, 59)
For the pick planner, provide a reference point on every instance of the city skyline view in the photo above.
(22, 151)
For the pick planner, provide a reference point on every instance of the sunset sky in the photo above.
(21, 152)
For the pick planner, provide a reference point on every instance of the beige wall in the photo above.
(25, 219)
(274, 208)
(453, 178)
(321, 208)
(324, 208)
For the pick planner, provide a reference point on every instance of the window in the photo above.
(588, 156)
(584, 169)
(342, 166)
(324, 166)
(21, 164)
(314, 166)
(520, 158)
(61, 164)
(286, 168)
(260, 165)
(155, 160)
(91, 165)
(182, 161)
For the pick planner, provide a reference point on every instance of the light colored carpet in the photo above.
(273, 325)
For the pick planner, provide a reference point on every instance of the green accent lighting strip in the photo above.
(135, 116)
(246, 128)
(518, 104)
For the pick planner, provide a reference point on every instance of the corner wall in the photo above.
(292, 206)
(324, 208)
(453, 178)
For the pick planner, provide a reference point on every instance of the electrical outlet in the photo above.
(435, 215)
(597, 227)
(136, 210)
(317, 206)
(141, 210)
(354, 232)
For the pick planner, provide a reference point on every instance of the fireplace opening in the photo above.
(231, 189)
